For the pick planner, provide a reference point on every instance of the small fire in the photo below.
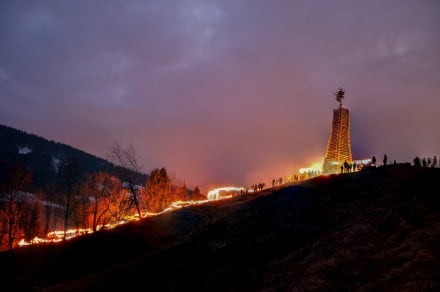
(58, 235)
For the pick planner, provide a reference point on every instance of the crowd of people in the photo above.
(426, 161)
(346, 167)
(253, 188)
(433, 162)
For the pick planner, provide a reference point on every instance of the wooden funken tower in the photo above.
(338, 148)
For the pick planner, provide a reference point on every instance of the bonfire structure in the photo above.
(338, 148)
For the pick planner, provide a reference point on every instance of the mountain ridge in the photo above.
(43, 157)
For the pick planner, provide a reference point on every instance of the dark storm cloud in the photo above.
(223, 91)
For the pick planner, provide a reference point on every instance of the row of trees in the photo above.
(12, 206)
(91, 201)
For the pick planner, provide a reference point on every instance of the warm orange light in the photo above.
(57, 235)
(222, 192)
(315, 167)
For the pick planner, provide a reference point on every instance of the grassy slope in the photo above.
(374, 230)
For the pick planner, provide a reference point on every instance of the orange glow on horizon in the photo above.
(218, 193)
(57, 235)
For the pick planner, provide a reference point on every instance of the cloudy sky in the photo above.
(225, 92)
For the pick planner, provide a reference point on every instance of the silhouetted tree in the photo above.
(181, 193)
(70, 175)
(16, 179)
(196, 195)
(101, 188)
(81, 205)
(130, 168)
(31, 221)
(49, 217)
(120, 203)
(157, 190)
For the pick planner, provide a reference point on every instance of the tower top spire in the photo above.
(339, 95)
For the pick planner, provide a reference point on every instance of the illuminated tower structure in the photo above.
(338, 148)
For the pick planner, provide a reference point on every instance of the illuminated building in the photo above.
(338, 148)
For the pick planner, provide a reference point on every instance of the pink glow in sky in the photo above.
(223, 92)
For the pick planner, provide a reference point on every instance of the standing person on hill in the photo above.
(373, 161)
(346, 167)
(385, 159)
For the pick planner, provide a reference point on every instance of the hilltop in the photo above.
(377, 229)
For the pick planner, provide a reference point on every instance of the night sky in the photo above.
(223, 92)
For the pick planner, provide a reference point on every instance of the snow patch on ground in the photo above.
(24, 150)
(56, 162)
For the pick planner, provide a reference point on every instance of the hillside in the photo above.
(44, 158)
(374, 230)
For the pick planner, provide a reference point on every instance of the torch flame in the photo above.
(57, 235)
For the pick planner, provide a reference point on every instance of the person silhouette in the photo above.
(385, 159)
(346, 166)
(373, 161)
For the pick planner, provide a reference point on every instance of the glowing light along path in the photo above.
(57, 235)
(216, 194)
